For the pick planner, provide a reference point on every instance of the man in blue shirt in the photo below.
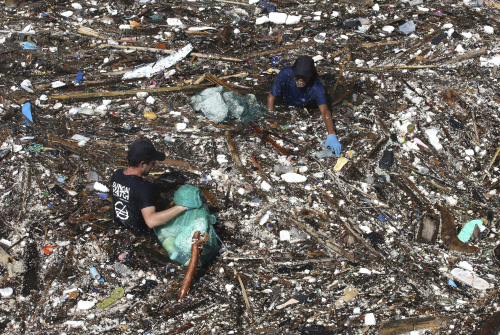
(299, 85)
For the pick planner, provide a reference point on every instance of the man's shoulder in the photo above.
(286, 71)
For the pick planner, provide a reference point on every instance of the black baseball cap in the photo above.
(304, 66)
(143, 150)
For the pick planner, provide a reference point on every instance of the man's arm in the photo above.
(327, 118)
(270, 102)
(155, 219)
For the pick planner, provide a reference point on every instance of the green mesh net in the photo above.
(219, 104)
(177, 234)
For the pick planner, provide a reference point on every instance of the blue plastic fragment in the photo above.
(60, 179)
(95, 290)
(103, 196)
(29, 46)
(452, 283)
(381, 217)
(275, 60)
(27, 113)
(255, 200)
(79, 77)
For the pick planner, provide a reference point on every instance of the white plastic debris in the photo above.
(57, 84)
(293, 19)
(6, 292)
(471, 279)
(376, 7)
(451, 201)
(75, 323)
(67, 13)
(76, 5)
(433, 139)
(488, 29)
(150, 100)
(284, 235)
(100, 187)
(180, 126)
(265, 185)
(264, 218)
(141, 95)
(25, 85)
(469, 152)
(388, 29)
(82, 304)
(261, 20)
(293, 178)
(370, 319)
(174, 22)
(278, 18)
(465, 265)
(160, 65)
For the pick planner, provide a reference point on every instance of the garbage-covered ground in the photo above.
(370, 243)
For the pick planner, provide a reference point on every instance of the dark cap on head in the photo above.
(143, 150)
(304, 66)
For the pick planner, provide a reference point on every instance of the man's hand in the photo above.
(334, 144)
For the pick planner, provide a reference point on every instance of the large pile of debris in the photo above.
(397, 235)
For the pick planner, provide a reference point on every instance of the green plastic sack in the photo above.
(176, 235)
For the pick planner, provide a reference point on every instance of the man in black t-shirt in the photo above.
(133, 201)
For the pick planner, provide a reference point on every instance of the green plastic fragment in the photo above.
(468, 229)
(117, 294)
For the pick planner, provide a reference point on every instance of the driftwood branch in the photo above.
(467, 55)
(129, 92)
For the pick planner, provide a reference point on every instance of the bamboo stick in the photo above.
(245, 295)
(129, 92)
(197, 54)
(467, 55)
(274, 51)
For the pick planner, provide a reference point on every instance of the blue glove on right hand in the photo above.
(334, 144)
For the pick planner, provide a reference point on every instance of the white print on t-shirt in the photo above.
(121, 210)
(121, 191)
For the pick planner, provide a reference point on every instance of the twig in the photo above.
(245, 295)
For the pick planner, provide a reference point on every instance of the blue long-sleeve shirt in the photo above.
(284, 87)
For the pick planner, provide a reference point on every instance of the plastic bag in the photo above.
(177, 234)
(220, 104)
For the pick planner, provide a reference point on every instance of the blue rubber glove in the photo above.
(334, 144)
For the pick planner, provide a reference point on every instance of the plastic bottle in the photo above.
(476, 3)
(95, 273)
(284, 169)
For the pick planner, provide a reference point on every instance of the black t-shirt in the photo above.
(130, 195)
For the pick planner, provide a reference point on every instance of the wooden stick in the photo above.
(226, 200)
(270, 140)
(491, 163)
(330, 245)
(275, 51)
(196, 54)
(193, 263)
(237, 161)
(369, 45)
(338, 79)
(467, 55)
(245, 295)
(475, 125)
(129, 92)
